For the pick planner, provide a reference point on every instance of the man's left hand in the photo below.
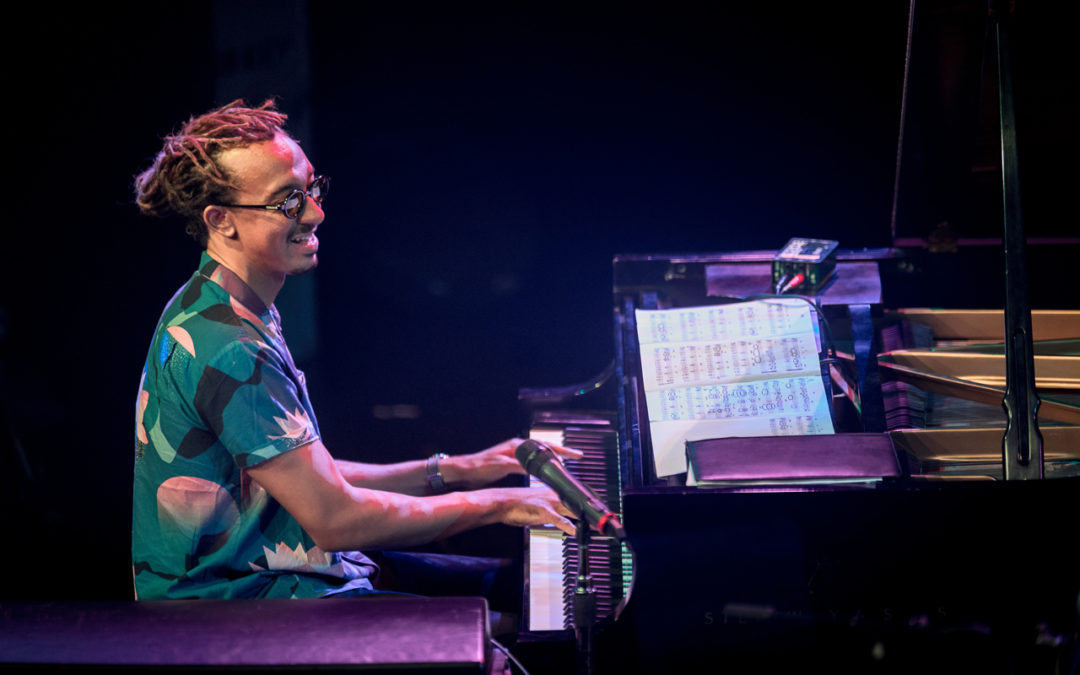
(487, 466)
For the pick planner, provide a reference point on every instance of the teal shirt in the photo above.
(219, 394)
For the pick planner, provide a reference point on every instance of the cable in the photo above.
(785, 285)
(509, 656)
(829, 345)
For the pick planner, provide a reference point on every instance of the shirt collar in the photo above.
(233, 285)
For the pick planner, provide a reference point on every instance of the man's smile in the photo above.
(306, 239)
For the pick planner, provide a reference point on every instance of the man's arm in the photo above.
(340, 516)
(459, 471)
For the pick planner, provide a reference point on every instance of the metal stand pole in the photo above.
(1022, 449)
(584, 604)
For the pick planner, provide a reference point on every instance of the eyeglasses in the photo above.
(293, 205)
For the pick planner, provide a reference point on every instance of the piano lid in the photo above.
(948, 189)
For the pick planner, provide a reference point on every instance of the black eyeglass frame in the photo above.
(323, 183)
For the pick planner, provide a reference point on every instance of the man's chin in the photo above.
(309, 265)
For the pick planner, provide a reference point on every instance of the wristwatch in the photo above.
(434, 477)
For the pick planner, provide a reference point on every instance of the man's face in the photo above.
(272, 245)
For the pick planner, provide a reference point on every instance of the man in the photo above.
(235, 494)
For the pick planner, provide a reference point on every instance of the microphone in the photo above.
(539, 460)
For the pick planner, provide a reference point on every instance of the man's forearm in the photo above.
(407, 478)
(377, 519)
(466, 471)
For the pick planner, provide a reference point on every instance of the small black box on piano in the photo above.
(788, 460)
(803, 265)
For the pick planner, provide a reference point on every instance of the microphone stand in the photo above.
(584, 605)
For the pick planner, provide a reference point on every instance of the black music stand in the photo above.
(1022, 447)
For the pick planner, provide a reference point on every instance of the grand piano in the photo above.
(961, 559)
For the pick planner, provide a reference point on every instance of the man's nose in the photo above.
(313, 213)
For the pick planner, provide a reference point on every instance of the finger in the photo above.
(562, 510)
(564, 525)
(510, 444)
(553, 502)
(545, 492)
(504, 449)
(567, 453)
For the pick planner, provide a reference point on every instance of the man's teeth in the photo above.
(303, 238)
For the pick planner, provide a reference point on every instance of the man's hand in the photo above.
(487, 466)
(528, 506)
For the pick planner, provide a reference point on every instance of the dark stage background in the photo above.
(488, 161)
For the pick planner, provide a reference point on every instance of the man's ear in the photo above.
(219, 220)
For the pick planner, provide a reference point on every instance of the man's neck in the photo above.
(266, 287)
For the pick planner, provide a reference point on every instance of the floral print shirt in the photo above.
(219, 394)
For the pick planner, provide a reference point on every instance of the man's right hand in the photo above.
(528, 506)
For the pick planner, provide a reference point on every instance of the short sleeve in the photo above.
(251, 400)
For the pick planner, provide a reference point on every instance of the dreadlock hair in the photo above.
(186, 175)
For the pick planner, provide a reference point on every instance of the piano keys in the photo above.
(551, 557)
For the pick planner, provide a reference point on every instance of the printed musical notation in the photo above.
(688, 363)
(760, 318)
(744, 369)
(793, 395)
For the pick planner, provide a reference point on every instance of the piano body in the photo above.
(953, 563)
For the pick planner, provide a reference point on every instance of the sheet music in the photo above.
(741, 320)
(743, 369)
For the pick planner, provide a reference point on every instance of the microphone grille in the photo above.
(532, 454)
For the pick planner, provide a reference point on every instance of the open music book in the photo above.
(742, 369)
